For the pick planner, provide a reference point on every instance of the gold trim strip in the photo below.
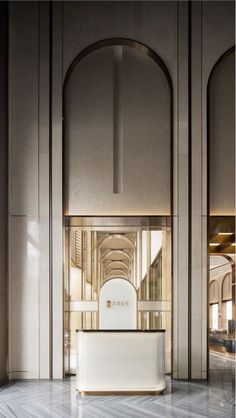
(121, 393)
(136, 221)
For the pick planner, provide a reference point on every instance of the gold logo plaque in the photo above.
(116, 303)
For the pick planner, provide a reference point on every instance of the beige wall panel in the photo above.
(151, 23)
(44, 303)
(218, 32)
(23, 109)
(23, 296)
(143, 121)
(3, 338)
(57, 332)
(222, 137)
(3, 147)
(199, 235)
(147, 129)
(180, 289)
(3, 194)
(146, 22)
(23, 191)
(89, 135)
(218, 35)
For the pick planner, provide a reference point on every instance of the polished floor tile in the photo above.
(182, 399)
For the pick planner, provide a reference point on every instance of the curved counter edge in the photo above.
(127, 362)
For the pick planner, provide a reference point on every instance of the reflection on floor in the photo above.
(222, 365)
(41, 399)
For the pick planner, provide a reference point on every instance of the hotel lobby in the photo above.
(117, 180)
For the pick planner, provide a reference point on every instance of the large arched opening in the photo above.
(117, 125)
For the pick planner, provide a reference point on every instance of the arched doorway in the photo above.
(117, 109)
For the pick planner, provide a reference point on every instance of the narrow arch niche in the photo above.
(227, 287)
(214, 292)
(221, 135)
(117, 132)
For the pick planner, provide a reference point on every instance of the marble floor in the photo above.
(182, 399)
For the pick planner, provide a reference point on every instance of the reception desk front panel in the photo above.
(121, 361)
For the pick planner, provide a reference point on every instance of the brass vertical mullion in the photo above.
(82, 276)
(67, 281)
(164, 270)
(99, 270)
(148, 249)
(131, 270)
(148, 262)
(91, 272)
(140, 262)
(94, 265)
(117, 120)
(135, 263)
(153, 281)
(90, 267)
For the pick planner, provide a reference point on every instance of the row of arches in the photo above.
(221, 289)
(118, 98)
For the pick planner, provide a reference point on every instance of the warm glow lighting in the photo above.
(214, 244)
(234, 244)
(144, 253)
(225, 233)
(156, 244)
(229, 310)
(214, 316)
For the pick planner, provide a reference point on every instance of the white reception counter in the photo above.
(121, 361)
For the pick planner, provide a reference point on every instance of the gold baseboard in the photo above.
(122, 393)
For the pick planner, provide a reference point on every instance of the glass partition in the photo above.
(222, 311)
(136, 249)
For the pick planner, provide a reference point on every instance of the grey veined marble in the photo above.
(45, 398)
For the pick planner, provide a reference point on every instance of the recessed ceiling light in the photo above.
(214, 244)
(225, 233)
